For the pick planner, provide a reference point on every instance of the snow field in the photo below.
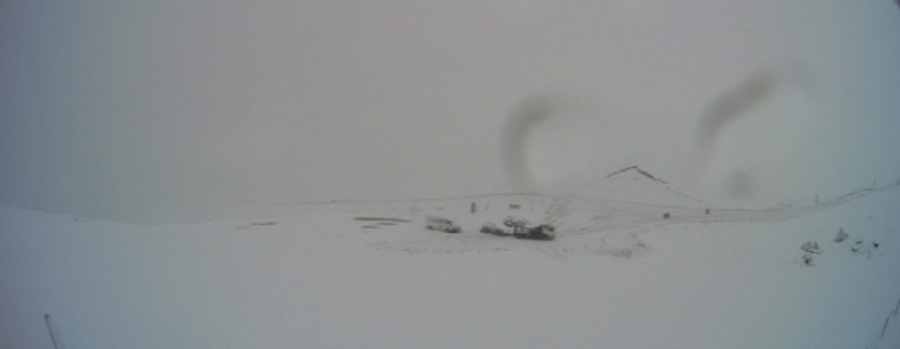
(319, 279)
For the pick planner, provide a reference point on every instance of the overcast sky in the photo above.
(127, 110)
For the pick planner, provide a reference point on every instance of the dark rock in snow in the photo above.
(841, 236)
(808, 259)
(811, 247)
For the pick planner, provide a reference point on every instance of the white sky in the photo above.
(127, 109)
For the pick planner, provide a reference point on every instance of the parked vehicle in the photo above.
(491, 228)
(441, 224)
(543, 231)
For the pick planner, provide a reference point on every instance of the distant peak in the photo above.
(637, 169)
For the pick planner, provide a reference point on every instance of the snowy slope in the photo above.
(698, 158)
(369, 275)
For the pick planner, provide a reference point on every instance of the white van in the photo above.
(441, 224)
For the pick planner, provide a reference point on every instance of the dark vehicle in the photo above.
(543, 231)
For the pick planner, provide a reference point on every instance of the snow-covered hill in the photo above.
(367, 274)
(721, 174)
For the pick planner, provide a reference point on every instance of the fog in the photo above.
(171, 111)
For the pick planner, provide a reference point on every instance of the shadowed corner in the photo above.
(734, 104)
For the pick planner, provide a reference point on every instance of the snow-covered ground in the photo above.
(227, 174)
(368, 274)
